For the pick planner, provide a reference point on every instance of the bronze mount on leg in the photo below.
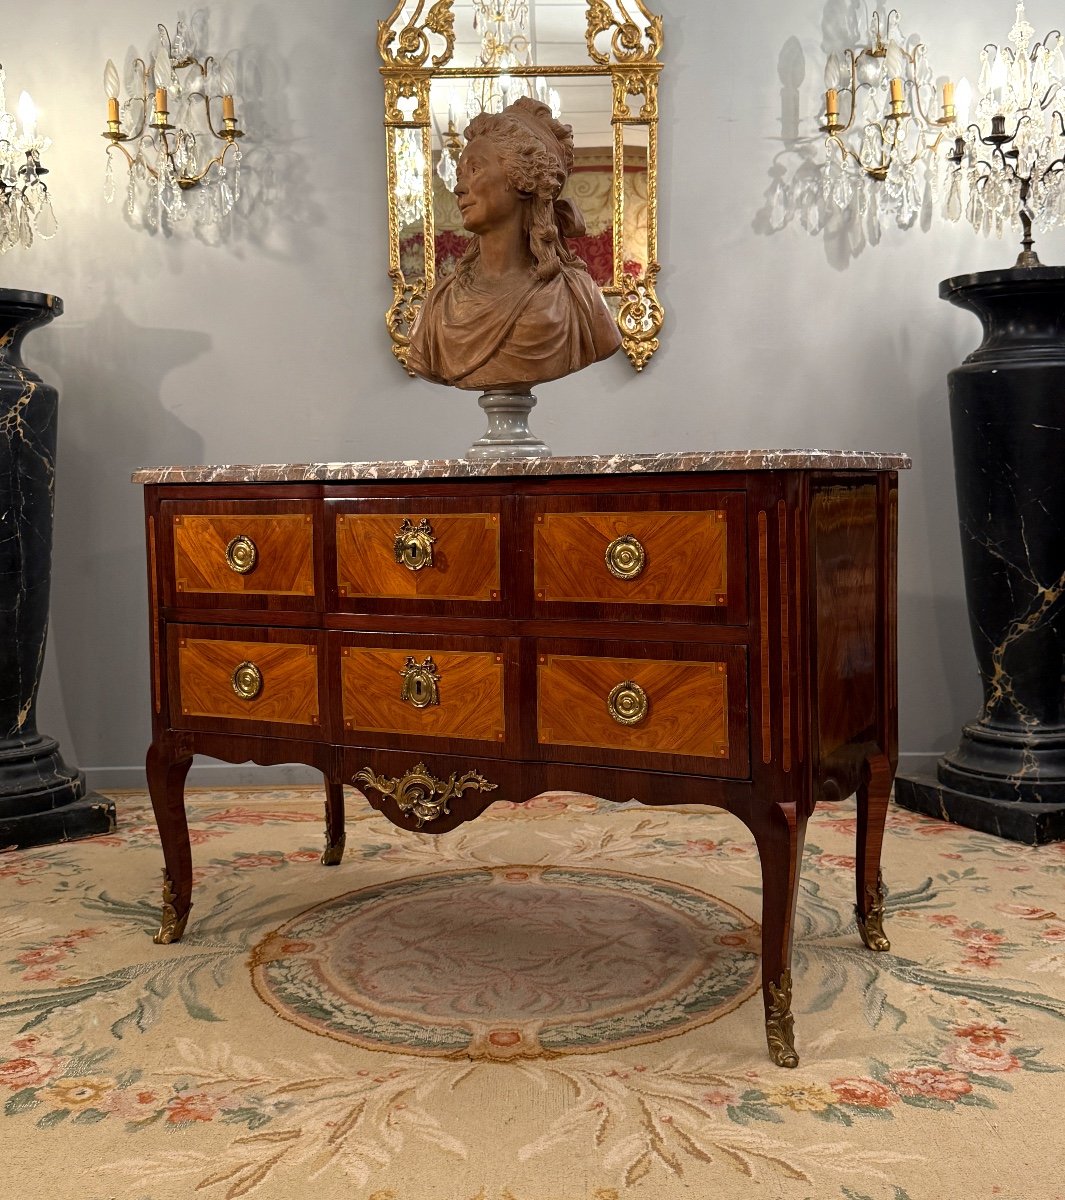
(871, 925)
(172, 926)
(780, 1024)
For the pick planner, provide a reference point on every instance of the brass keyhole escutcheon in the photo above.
(627, 703)
(242, 555)
(414, 544)
(247, 681)
(625, 557)
(420, 683)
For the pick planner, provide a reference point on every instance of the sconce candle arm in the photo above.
(166, 153)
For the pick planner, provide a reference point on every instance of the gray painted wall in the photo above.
(272, 347)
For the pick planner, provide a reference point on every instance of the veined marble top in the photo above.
(577, 464)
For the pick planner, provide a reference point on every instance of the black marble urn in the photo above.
(41, 798)
(1007, 412)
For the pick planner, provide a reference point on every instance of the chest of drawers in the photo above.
(715, 629)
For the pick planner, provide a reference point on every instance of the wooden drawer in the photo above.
(268, 677)
(241, 551)
(417, 554)
(687, 710)
(674, 555)
(425, 687)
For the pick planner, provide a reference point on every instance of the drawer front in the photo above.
(232, 679)
(415, 555)
(680, 557)
(680, 713)
(423, 689)
(243, 553)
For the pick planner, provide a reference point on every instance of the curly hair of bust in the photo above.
(533, 170)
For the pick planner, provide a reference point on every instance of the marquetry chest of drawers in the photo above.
(704, 628)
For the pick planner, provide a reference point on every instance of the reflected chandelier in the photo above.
(503, 26)
(881, 137)
(1009, 164)
(197, 154)
(25, 204)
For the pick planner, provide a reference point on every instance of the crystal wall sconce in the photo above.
(25, 204)
(882, 136)
(177, 131)
(1009, 164)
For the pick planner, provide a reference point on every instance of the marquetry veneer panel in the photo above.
(284, 546)
(687, 704)
(470, 693)
(465, 557)
(686, 557)
(289, 673)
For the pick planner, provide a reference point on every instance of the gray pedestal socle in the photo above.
(1007, 412)
(508, 434)
(41, 798)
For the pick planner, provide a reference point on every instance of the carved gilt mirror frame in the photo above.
(623, 41)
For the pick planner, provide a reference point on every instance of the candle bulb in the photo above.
(27, 114)
(831, 105)
(228, 113)
(160, 101)
(948, 94)
(896, 91)
(112, 108)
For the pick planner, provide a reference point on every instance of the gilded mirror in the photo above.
(596, 63)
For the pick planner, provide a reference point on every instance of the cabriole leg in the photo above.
(873, 793)
(334, 824)
(166, 786)
(780, 834)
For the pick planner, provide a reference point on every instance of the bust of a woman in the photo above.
(520, 308)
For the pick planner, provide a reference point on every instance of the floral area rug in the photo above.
(558, 1001)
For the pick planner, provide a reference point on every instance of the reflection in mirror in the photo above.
(594, 63)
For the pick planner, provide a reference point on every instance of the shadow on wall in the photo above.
(111, 421)
(272, 214)
(847, 219)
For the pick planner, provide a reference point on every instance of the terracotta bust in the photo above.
(520, 308)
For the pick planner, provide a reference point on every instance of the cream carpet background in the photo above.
(556, 1002)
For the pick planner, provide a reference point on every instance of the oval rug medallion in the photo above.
(507, 962)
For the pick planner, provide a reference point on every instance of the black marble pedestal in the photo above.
(41, 798)
(1007, 412)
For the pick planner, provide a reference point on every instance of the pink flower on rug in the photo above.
(247, 861)
(720, 1098)
(1056, 933)
(975, 938)
(934, 1082)
(981, 1058)
(25, 1044)
(985, 1034)
(132, 1103)
(845, 862)
(863, 1093)
(198, 836)
(699, 846)
(944, 919)
(981, 958)
(28, 866)
(40, 975)
(844, 825)
(41, 956)
(192, 1106)
(30, 1071)
(303, 856)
